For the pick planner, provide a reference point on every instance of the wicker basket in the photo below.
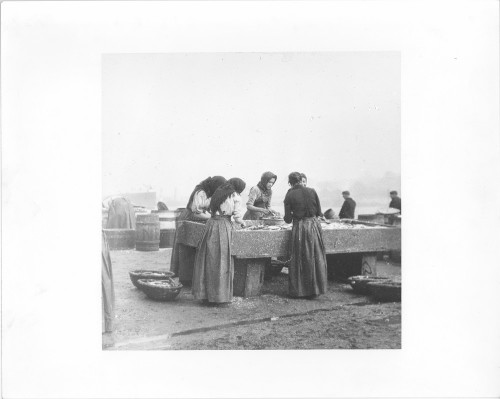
(388, 291)
(359, 283)
(161, 290)
(272, 221)
(148, 274)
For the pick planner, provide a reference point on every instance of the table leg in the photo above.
(249, 276)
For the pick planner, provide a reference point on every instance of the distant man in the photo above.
(303, 179)
(347, 210)
(396, 201)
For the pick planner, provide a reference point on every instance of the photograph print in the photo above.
(251, 201)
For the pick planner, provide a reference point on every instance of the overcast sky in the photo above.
(171, 120)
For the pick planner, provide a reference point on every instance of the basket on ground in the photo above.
(277, 266)
(359, 283)
(385, 291)
(161, 290)
(148, 274)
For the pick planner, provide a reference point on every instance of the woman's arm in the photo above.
(257, 209)
(237, 214)
(318, 210)
(199, 205)
(252, 196)
(288, 210)
(201, 216)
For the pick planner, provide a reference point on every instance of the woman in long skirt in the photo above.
(108, 291)
(214, 267)
(307, 272)
(196, 210)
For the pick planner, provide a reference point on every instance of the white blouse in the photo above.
(200, 202)
(232, 206)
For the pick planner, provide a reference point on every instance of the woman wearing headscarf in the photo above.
(259, 198)
(197, 211)
(307, 271)
(214, 264)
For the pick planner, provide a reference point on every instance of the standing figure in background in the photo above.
(121, 213)
(348, 207)
(108, 291)
(395, 201)
(214, 264)
(182, 258)
(307, 275)
(303, 179)
(259, 198)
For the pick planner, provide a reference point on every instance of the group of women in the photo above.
(215, 200)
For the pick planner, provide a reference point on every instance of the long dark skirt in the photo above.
(108, 292)
(307, 272)
(214, 265)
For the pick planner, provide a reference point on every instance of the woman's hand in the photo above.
(265, 211)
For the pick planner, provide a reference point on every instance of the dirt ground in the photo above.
(339, 319)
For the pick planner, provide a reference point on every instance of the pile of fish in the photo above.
(338, 225)
(262, 227)
(162, 283)
(324, 225)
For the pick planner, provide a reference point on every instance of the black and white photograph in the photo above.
(203, 199)
(251, 201)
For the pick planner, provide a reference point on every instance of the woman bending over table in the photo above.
(197, 211)
(214, 265)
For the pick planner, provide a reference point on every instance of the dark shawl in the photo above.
(209, 185)
(234, 185)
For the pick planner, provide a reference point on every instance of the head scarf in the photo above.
(209, 185)
(264, 179)
(234, 185)
(214, 184)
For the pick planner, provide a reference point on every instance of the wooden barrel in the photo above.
(147, 232)
(168, 221)
(119, 239)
